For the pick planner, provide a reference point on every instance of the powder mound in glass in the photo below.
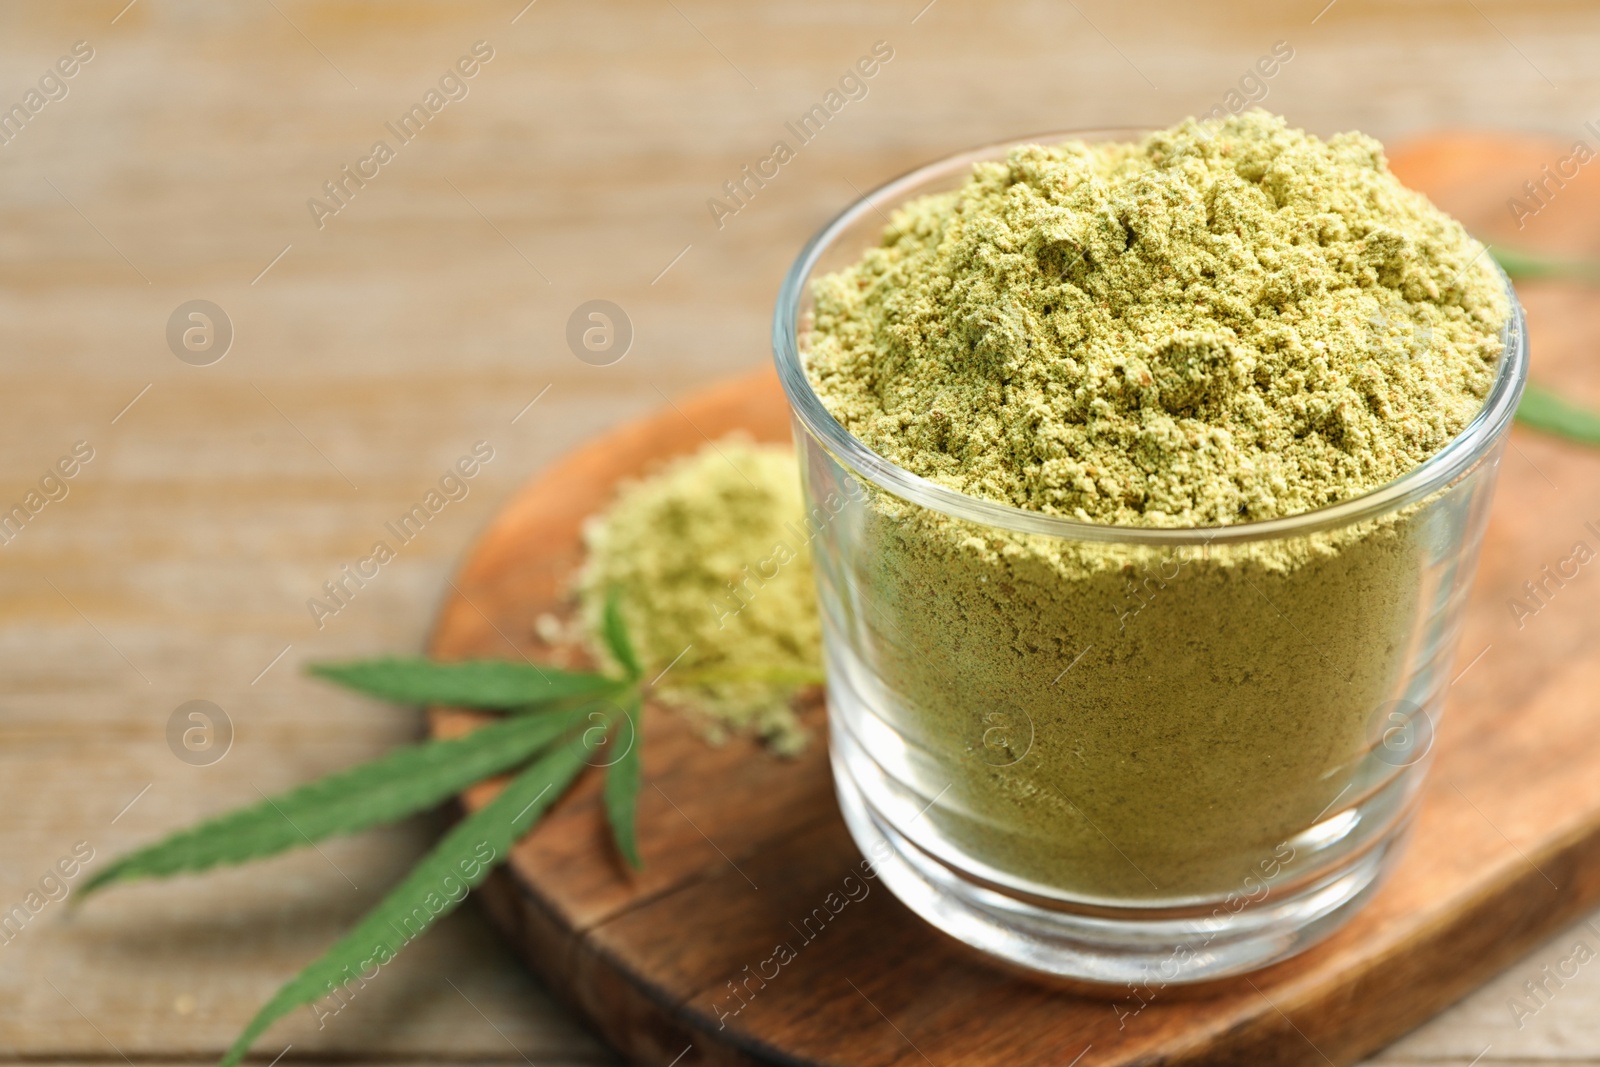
(1223, 323)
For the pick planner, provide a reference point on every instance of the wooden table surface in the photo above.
(425, 315)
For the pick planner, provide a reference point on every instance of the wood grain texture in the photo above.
(413, 324)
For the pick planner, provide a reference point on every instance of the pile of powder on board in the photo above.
(715, 587)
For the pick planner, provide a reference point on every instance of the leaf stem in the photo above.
(1529, 266)
(1545, 410)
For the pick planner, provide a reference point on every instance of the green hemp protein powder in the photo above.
(713, 568)
(1221, 324)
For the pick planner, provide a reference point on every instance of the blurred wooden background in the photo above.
(370, 353)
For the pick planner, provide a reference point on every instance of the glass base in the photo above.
(1143, 948)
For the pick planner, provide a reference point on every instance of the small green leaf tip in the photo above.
(623, 779)
(1542, 409)
(481, 683)
(615, 632)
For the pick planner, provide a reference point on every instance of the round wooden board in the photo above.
(748, 937)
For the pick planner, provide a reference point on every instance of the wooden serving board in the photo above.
(740, 846)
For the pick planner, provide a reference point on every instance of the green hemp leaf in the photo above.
(1544, 410)
(434, 888)
(546, 741)
(487, 683)
(616, 636)
(623, 779)
(1528, 266)
(386, 790)
(1540, 408)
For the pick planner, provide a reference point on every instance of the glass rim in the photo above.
(1460, 454)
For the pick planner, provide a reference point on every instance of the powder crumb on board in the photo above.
(715, 589)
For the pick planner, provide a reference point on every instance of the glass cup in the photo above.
(1125, 754)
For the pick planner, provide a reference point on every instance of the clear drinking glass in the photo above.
(1120, 754)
